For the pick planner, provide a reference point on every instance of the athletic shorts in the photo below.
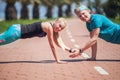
(11, 34)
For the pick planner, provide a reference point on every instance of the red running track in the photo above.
(32, 59)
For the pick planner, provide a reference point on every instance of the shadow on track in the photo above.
(53, 61)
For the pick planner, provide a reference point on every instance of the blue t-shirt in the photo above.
(109, 31)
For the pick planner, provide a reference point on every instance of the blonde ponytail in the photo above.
(57, 37)
(59, 41)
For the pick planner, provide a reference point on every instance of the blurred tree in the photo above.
(96, 6)
(68, 3)
(49, 4)
(60, 4)
(112, 8)
(10, 10)
(68, 11)
(35, 4)
(24, 10)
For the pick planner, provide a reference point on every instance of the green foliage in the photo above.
(112, 8)
(116, 21)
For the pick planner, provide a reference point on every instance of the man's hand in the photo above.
(75, 53)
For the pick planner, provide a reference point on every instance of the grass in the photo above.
(5, 24)
(116, 21)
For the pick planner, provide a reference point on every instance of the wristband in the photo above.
(70, 50)
(80, 50)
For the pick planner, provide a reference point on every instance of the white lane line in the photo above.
(85, 55)
(72, 40)
(77, 46)
(101, 70)
(69, 33)
(67, 30)
(70, 36)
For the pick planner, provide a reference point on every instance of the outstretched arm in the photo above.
(52, 44)
(59, 42)
(94, 36)
(94, 49)
(91, 43)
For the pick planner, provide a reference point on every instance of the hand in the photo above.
(61, 62)
(76, 53)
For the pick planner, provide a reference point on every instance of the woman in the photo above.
(41, 29)
(98, 26)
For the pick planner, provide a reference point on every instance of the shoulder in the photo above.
(96, 21)
(97, 16)
(46, 26)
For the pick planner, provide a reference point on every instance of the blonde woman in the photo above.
(40, 29)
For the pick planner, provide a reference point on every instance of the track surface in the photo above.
(32, 59)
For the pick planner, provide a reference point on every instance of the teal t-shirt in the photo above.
(109, 31)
